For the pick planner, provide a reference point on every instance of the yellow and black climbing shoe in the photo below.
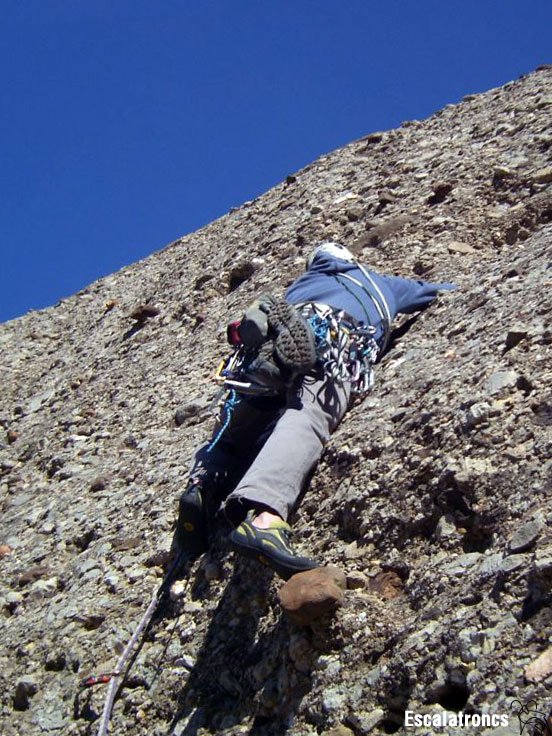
(269, 546)
(192, 522)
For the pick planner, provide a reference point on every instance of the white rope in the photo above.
(120, 668)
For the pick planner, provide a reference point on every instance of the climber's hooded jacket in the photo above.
(347, 286)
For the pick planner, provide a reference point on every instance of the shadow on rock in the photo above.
(253, 668)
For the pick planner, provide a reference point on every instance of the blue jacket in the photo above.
(330, 280)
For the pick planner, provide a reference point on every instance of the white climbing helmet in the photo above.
(333, 249)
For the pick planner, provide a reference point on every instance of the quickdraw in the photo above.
(346, 350)
(231, 370)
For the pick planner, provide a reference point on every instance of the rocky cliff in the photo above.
(433, 496)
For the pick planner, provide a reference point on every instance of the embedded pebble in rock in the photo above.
(515, 336)
(541, 668)
(460, 248)
(526, 536)
(513, 562)
(500, 381)
(340, 731)
(492, 564)
(365, 723)
(333, 699)
(386, 585)
(477, 413)
(186, 662)
(189, 414)
(178, 590)
(435, 486)
(460, 564)
(49, 721)
(356, 580)
(543, 561)
(445, 527)
(544, 176)
(212, 571)
(13, 599)
(135, 574)
(25, 689)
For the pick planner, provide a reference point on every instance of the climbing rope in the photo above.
(116, 678)
(230, 404)
(376, 297)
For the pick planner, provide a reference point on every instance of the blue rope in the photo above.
(229, 406)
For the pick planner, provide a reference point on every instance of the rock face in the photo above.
(433, 496)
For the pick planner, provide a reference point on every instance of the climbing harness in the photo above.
(116, 678)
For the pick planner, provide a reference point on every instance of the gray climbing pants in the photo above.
(278, 442)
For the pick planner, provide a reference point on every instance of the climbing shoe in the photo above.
(192, 522)
(270, 546)
(294, 345)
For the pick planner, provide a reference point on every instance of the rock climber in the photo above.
(305, 357)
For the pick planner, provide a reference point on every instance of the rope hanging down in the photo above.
(116, 678)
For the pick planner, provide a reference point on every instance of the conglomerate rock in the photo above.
(433, 496)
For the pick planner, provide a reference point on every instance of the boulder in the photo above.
(310, 595)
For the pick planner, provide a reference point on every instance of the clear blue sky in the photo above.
(128, 123)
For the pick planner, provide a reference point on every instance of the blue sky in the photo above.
(128, 123)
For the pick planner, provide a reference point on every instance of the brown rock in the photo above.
(310, 595)
(380, 231)
(501, 172)
(387, 197)
(144, 312)
(354, 213)
(122, 544)
(353, 551)
(515, 335)
(98, 484)
(440, 192)
(5, 550)
(32, 574)
(386, 585)
(375, 137)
